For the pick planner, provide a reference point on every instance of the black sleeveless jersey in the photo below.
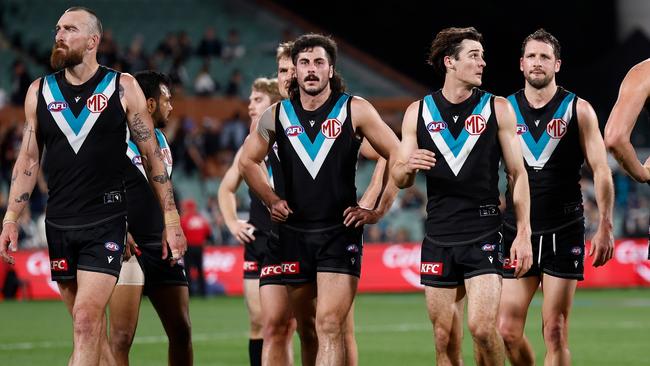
(318, 153)
(83, 128)
(462, 188)
(260, 217)
(550, 142)
(144, 216)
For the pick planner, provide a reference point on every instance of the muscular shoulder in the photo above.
(638, 78)
(127, 81)
(502, 106)
(31, 98)
(585, 112)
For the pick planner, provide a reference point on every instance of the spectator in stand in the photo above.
(234, 132)
(185, 48)
(198, 233)
(210, 45)
(204, 84)
(168, 48)
(233, 89)
(107, 52)
(20, 81)
(178, 75)
(135, 59)
(233, 49)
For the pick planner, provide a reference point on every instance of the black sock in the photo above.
(255, 351)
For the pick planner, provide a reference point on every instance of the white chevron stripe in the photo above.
(455, 162)
(312, 166)
(550, 146)
(75, 140)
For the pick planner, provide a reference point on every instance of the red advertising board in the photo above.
(385, 268)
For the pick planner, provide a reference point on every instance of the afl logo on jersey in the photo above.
(475, 124)
(57, 106)
(97, 103)
(436, 126)
(292, 131)
(556, 128)
(331, 128)
(521, 129)
(137, 160)
(113, 247)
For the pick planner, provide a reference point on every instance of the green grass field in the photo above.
(607, 328)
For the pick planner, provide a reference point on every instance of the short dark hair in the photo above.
(150, 81)
(311, 40)
(541, 35)
(447, 43)
(98, 24)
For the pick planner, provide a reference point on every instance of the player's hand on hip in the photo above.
(174, 237)
(602, 246)
(8, 241)
(359, 216)
(521, 253)
(243, 232)
(421, 159)
(280, 211)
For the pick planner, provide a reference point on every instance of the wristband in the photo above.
(11, 217)
(172, 218)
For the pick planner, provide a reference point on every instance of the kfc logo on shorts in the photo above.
(488, 247)
(521, 129)
(59, 265)
(267, 271)
(113, 247)
(576, 250)
(57, 106)
(556, 128)
(436, 126)
(97, 103)
(290, 268)
(352, 248)
(508, 264)
(475, 124)
(331, 128)
(250, 266)
(431, 268)
(292, 131)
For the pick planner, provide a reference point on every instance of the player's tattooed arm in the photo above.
(121, 91)
(139, 130)
(27, 163)
(162, 178)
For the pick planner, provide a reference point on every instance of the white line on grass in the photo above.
(377, 328)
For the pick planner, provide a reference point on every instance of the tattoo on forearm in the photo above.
(13, 178)
(168, 200)
(162, 179)
(23, 198)
(139, 129)
(27, 173)
(29, 131)
(121, 91)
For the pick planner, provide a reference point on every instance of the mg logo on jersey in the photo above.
(290, 267)
(436, 126)
(58, 265)
(294, 131)
(475, 124)
(331, 128)
(556, 128)
(275, 270)
(521, 129)
(250, 266)
(431, 268)
(97, 103)
(57, 106)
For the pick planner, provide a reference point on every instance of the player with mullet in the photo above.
(457, 137)
(319, 133)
